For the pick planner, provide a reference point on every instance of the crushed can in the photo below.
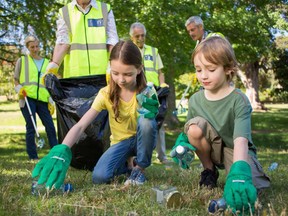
(217, 205)
(167, 196)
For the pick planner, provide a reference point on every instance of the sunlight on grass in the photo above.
(269, 134)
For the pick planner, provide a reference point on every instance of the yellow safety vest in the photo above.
(151, 64)
(30, 79)
(218, 34)
(88, 51)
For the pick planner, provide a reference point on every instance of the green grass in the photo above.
(269, 133)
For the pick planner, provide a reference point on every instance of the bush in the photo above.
(180, 87)
(274, 95)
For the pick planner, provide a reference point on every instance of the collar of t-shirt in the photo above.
(87, 9)
(38, 63)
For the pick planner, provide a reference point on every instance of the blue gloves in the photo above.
(239, 191)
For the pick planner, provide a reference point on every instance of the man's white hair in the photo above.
(136, 25)
(194, 19)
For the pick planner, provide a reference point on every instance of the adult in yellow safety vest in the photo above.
(86, 33)
(28, 83)
(152, 66)
(195, 28)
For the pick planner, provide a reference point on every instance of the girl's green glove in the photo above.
(182, 140)
(239, 191)
(152, 105)
(53, 167)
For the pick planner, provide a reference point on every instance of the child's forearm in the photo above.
(75, 132)
(240, 149)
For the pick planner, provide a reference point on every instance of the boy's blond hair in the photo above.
(218, 51)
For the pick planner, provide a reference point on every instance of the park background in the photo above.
(258, 32)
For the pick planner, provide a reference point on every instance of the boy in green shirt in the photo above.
(219, 127)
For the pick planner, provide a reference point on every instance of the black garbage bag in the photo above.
(73, 98)
(162, 97)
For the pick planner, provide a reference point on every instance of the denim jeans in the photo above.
(114, 161)
(41, 108)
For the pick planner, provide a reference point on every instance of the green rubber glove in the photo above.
(152, 105)
(53, 167)
(239, 191)
(182, 140)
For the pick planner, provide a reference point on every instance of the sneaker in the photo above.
(209, 178)
(165, 161)
(137, 177)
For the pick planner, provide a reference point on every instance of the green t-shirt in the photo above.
(230, 116)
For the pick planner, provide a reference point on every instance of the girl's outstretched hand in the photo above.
(53, 167)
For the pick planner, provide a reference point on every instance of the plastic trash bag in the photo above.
(73, 98)
(162, 110)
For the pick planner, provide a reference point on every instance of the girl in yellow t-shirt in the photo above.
(130, 135)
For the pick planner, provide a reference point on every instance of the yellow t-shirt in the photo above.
(127, 121)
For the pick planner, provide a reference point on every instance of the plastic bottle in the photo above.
(40, 143)
(217, 205)
(273, 166)
(37, 189)
(149, 91)
(183, 154)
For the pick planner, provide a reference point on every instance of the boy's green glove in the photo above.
(53, 167)
(182, 140)
(152, 105)
(239, 191)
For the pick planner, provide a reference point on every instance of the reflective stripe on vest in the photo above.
(150, 64)
(30, 79)
(88, 53)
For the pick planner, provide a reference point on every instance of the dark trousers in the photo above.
(41, 108)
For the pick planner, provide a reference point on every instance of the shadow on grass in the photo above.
(270, 121)
(275, 141)
(8, 110)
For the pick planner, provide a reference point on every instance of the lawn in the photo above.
(269, 134)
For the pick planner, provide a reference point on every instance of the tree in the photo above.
(248, 26)
(281, 69)
(18, 19)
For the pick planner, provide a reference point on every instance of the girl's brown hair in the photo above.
(218, 51)
(129, 54)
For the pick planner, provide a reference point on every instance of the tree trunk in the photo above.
(171, 119)
(251, 83)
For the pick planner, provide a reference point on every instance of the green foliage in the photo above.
(164, 21)
(247, 24)
(274, 95)
(26, 17)
(6, 81)
(281, 69)
(183, 82)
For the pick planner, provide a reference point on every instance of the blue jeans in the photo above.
(114, 161)
(41, 108)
